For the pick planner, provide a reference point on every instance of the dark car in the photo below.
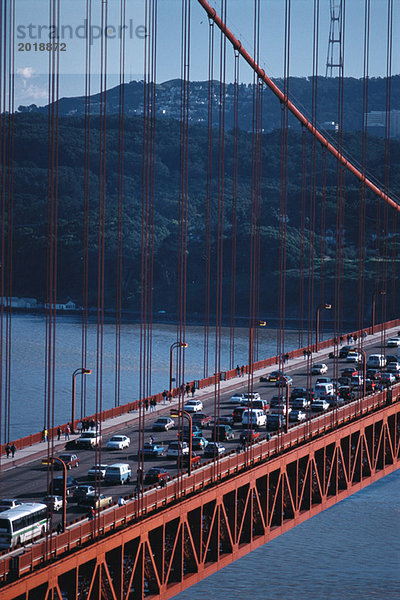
(273, 376)
(155, 474)
(249, 435)
(82, 491)
(196, 432)
(349, 372)
(374, 374)
(222, 433)
(298, 392)
(391, 358)
(96, 501)
(346, 392)
(370, 385)
(71, 460)
(58, 485)
(183, 460)
(214, 449)
(344, 350)
(275, 422)
(237, 414)
(8, 503)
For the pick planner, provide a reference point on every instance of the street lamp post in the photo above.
(80, 371)
(255, 324)
(52, 460)
(171, 359)
(364, 355)
(374, 296)
(319, 308)
(183, 413)
(287, 406)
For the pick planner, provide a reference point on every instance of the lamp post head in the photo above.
(184, 345)
(86, 371)
(328, 306)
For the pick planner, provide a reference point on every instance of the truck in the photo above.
(89, 439)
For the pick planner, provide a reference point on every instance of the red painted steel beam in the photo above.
(248, 478)
(295, 111)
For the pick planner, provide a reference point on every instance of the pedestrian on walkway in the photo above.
(58, 433)
(8, 449)
(121, 501)
(59, 528)
(187, 389)
(193, 389)
(242, 371)
(44, 435)
(238, 370)
(67, 431)
(164, 396)
(13, 449)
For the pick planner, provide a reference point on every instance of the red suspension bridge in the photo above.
(163, 540)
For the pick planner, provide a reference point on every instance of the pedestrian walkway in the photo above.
(128, 420)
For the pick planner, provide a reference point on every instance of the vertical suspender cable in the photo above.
(101, 224)
(3, 79)
(385, 250)
(207, 274)
(364, 139)
(312, 196)
(234, 208)
(121, 121)
(340, 199)
(183, 198)
(220, 220)
(8, 266)
(86, 205)
(302, 234)
(52, 229)
(283, 199)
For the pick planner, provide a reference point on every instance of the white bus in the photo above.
(22, 523)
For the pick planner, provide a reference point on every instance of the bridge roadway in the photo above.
(26, 479)
(326, 448)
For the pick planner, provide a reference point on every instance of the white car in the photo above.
(296, 416)
(319, 369)
(176, 448)
(97, 471)
(320, 405)
(193, 406)
(118, 442)
(354, 357)
(236, 399)
(8, 503)
(393, 343)
(163, 424)
(55, 503)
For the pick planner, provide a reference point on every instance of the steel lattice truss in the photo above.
(173, 549)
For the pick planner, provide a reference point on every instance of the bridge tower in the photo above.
(334, 59)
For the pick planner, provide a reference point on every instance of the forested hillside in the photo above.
(319, 250)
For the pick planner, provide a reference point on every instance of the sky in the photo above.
(32, 29)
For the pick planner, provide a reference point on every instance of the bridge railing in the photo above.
(117, 411)
(210, 473)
